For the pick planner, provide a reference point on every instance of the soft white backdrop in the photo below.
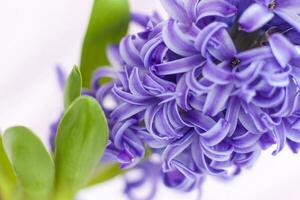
(36, 35)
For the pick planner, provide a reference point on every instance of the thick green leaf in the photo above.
(32, 163)
(104, 173)
(81, 139)
(72, 87)
(108, 23)
(7, 177)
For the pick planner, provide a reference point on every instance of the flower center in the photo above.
(235, 61)
(272, 5)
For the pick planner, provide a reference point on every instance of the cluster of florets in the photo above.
(207, 89)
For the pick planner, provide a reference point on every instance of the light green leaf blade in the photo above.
(32, 163)
(7, 177)
(108, 23)
(81, 139)
(72, 87)
(104, 173)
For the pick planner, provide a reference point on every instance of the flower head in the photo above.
(207, 89)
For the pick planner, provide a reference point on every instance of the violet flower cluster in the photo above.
(207, 89)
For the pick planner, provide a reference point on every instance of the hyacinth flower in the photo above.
(206, 90)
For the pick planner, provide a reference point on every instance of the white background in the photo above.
(36, 35)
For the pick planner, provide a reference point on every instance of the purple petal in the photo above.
(294, 146)
(183, 94)
(175, 8)
(232, 114)
(129, 52)
(217, 133)
(178, 66)
(266, 140)
(119, 130)
(140, 19)
(282, 49)
(255, 54)
(198, 86)
(249, 74)
(103, 72)
(293, 134)
(217, 99)
(289, 16)
(218, 8)
(246, 150)
(291, 5)
(256, 114)
(280, 79)
(152, 85)
(135, 84)
(162, 126)
(198, 119)
(255, 17)
(155, 83)
(222, 46)
(217, 74)
(191, 8)
(280, 137)
(182, 178)
(134, 144)
(220, 153)
(174, 116)
(125, 111)
(206, 34)
(246, 159)
(247, 122)
(270, 101)
(131, 98)
(287, 105)
(154, 51)
(201, 161)
(149, 118)
(174, 149)
(176, 40)
(246, 140)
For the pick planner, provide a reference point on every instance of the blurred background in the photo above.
(38, 35)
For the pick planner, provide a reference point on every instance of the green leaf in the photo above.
(104, 173)
(108, 24)
(73, 87)
(81, 139)
(31, 161)
(7, 177)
